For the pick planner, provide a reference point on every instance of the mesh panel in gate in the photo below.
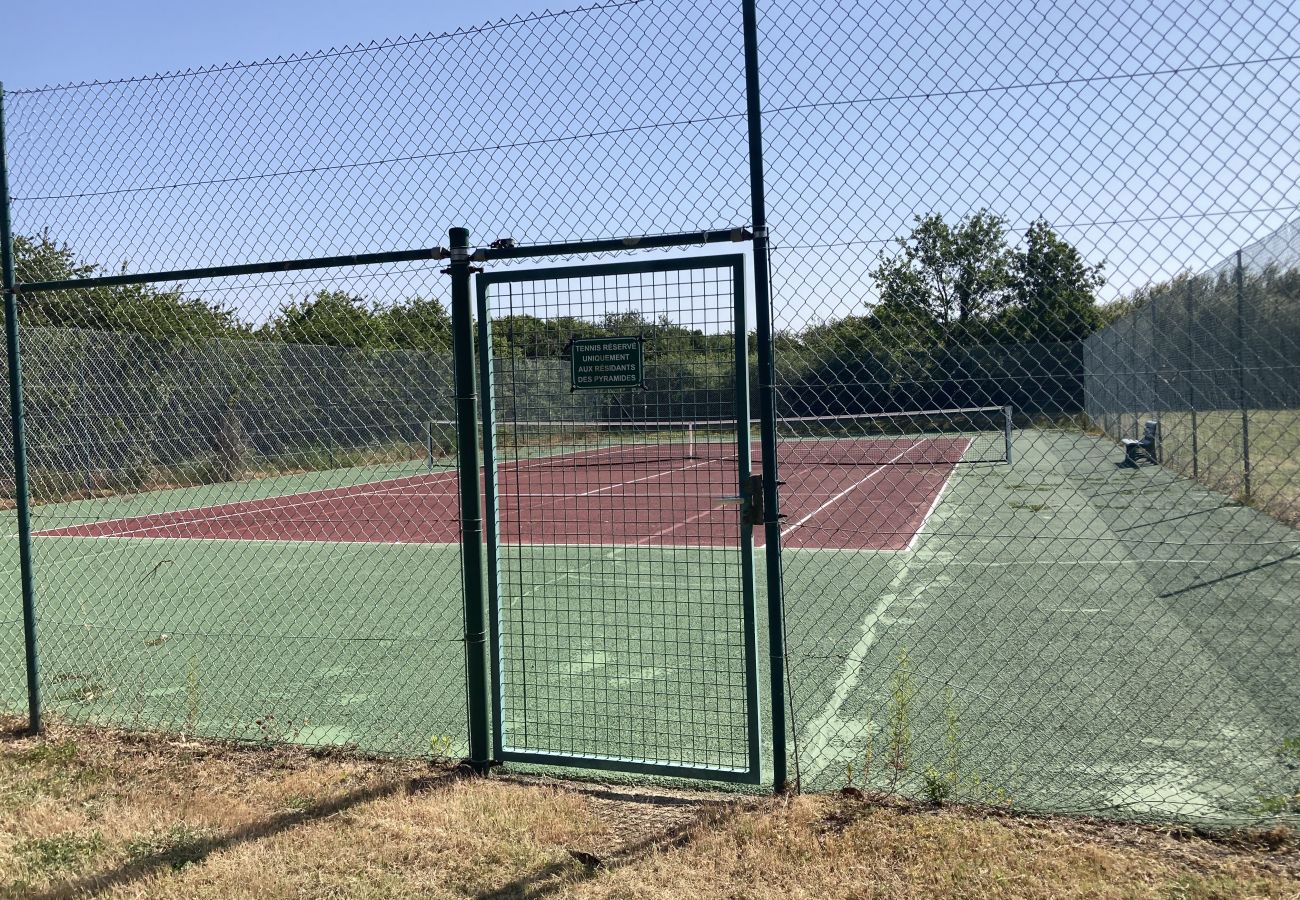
(624, 630)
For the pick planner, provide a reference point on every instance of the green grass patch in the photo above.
(59, 853)
(176, 847)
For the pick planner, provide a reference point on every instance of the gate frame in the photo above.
(735, 262)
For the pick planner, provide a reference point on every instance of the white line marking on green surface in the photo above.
(828, 727)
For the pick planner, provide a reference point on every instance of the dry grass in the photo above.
(1274, 453)
(90, 813)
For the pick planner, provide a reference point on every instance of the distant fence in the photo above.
(1216, 360)
(116, 410)
(1039, 380)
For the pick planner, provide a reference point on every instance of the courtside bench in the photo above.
(1145, 447)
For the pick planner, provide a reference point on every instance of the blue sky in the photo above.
(1157, 139)
(83, 40)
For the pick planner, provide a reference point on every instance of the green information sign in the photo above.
(603, 363)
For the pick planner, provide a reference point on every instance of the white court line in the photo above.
(620, 484)
(360, 542)
(844, 493)
(639, 495)
(557, 459)
(934, 504)
(671, 528)
(299, 499)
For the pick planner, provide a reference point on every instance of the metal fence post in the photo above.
(1157, 359)
(487, 387)
(1190, 365)
(471, 508)
(1241, 379)
(766, 402)
(21, 498)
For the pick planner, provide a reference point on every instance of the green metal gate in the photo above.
(619, 517)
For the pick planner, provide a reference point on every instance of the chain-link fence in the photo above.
(1214, 360)
(117, 412)
(984, 224)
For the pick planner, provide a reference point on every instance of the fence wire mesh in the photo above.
(625, 628)
(228, 526)
(967, 204)
(970, 206)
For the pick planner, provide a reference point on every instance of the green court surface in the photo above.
(1113, 639)
(311, 641)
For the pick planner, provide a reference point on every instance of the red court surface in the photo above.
(677, 503)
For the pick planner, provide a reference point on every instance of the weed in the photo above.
(1288, 754)
(60, 852)
(193, 694)
(951, 736)
(178, 846)
(938, 789)
(58, 753)
(273, 731)
(1276, 805)
(902, 695)
(869, 760)
(77, 688)
(942, 784)
(441, 747)
(299, 803)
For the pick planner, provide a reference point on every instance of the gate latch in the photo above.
(750, 500)
(753, 511)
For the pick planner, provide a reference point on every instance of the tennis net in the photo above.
(921, 437)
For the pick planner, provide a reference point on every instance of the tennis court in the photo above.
(854, 493)
(1102, 589)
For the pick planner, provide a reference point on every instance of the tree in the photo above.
(418, 323)
(330, 318)
(1055, 290)
(137, 308)
(964, 284)
(528, 336)
(958, 276)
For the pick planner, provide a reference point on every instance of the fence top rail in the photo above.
(284, 265)
(605, 245)
(634, 242)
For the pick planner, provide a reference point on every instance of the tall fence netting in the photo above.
(971, 209)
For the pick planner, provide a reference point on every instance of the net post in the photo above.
(471, 511)
(22, 499)
(428, 445)
(1007, 426)
(766, 403)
